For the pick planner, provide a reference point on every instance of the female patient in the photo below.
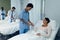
(39, 33)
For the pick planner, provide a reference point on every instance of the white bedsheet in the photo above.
(25, 36)
(28, 36)
(7, 28)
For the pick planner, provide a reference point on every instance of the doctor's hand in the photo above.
(32, 24)
(29, 23)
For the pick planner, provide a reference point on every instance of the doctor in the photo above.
(12, 14)
(2, 13)
(24, 19)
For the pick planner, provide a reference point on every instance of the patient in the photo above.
(39, 33)
(45, 28)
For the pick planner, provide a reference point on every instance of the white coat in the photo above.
(14, 14)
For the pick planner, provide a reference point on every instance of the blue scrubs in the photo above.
(23, 26)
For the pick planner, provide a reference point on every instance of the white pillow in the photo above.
(53, 24)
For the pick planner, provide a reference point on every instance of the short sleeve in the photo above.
(21, 15)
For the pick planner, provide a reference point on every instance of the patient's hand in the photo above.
(38, 34)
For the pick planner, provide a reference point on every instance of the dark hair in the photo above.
(2, 8)
(13, 8)
(30, 5)
(48, 20)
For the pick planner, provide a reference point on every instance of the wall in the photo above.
(6, 4)
(17, 5)
(36, 11)
(23, 3)
(52, 9)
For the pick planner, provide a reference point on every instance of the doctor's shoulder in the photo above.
(22, 11)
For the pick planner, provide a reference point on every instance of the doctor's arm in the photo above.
(21, 19)
(30, 23)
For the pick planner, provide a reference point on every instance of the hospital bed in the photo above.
(7, 27)
(53, 24)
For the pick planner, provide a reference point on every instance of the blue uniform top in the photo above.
(25, 16)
